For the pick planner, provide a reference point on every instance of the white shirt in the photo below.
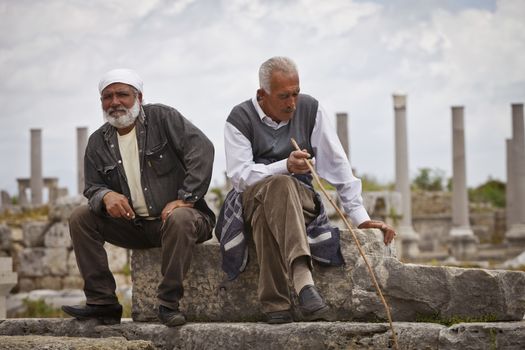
(331, 162)
(127, 145)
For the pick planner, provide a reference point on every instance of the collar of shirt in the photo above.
(265, 119)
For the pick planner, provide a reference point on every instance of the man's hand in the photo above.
(179, 203)
(296, 162)
(388, 232)
(117, 206)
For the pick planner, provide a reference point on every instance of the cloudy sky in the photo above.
(202, 57)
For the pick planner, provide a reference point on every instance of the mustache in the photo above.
(289, 110)
(117, 109)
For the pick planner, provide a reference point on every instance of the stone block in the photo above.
(260, 336)
(39, 262)
(33, 232)
(17, 234)
(72, 282)
(62, 208)
(8, 280)
(39, 342)
(72, 267)
(413, 291)
(5, 238)
(49, 282)
(117, 257)
(26, 284)
(58, 236)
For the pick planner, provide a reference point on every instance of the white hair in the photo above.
(275, 64)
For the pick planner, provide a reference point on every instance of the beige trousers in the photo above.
(277, 210)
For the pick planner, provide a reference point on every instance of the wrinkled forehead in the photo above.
(114, 87)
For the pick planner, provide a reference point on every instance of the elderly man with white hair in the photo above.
(146, 171)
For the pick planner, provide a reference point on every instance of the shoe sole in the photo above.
(322, 314)
(175, 322)
(106, 320)
(103, 320)
(279, 320)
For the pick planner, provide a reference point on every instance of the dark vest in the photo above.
(269, 145)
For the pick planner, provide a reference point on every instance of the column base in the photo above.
(515, 239)
(463, 244)
(409, 242)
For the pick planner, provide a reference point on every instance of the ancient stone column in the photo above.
(36, 181)
(407, 234)
(8, 279)
(463, 243)
(510, 207)
(342, 132)
(82, 138)
(515, 236)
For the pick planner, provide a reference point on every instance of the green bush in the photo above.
(429, 179)
(492, 191)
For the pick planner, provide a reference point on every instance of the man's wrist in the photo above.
(187, 197)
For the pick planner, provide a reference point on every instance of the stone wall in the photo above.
(43, 255)
(432, 219)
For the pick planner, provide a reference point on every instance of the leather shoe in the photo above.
(278, 317)
(170, 317)
(311, 304)
(106, 314)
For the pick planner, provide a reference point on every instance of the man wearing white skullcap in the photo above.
(146, 173)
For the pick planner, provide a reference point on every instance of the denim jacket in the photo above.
(175, 157)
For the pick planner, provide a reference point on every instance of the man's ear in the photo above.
(260, 94)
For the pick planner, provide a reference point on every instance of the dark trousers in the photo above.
(182, 230)
(278, 209)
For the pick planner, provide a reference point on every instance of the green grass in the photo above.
(39, 309)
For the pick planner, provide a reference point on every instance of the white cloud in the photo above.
(202, 57)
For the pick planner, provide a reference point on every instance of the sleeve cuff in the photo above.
(188, 197)
(358, 216)
(278, 167)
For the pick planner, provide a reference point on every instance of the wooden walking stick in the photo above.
(347, 224)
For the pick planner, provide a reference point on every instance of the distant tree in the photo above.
(370, 183)
(492, 191)
(429, 179)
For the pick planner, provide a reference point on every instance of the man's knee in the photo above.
(78, 217)
(182, 220)
(282, 183)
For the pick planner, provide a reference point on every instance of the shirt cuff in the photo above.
(358, 216)
(278, 167)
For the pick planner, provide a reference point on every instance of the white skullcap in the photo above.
(120, 75)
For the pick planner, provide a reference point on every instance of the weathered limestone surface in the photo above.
(7, 281)
(57, 236)
(37, 342)
(63, 207)
(5, 238)
(413, 291)
(38, 262)
(33, 233)
(303, 335)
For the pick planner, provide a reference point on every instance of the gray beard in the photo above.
(125, 120)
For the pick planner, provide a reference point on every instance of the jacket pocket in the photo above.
(110, 175)
(160, 158)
